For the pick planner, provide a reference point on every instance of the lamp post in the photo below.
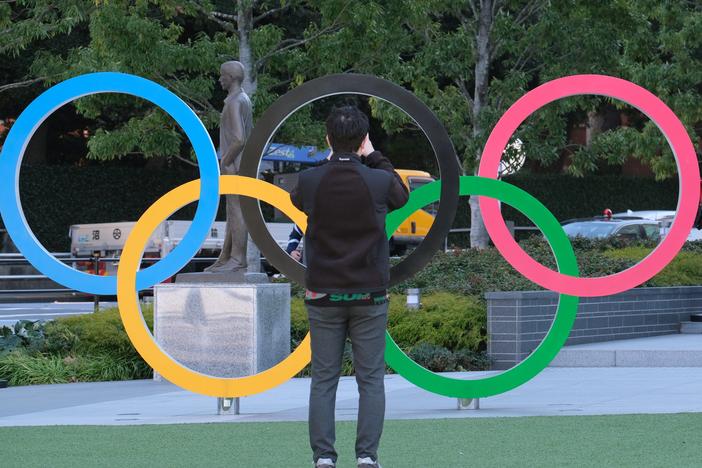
(413, 298)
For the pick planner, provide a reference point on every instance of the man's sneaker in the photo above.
(367, 462)
(324, 463)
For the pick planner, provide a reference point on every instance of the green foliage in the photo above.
(299, 325)
(95, 333)
(663, 56)
(82, 348)
(25, 334)
(435, 358)
(448, 333)
(449, 320)
(25, 22)
(21, 368)
(179, 44)
(79, 196)
(445, 319)
(570, 197)
(439, 359)
(94, 194)
(474, 272)
(684, 270)
(431, 47)
(467, 359)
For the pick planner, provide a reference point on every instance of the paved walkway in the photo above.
(675, 350)
(605, 389)
(556, 391)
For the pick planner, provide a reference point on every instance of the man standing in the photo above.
(347, 258)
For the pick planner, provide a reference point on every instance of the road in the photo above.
(12, 312)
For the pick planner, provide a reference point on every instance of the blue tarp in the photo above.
(295, 154)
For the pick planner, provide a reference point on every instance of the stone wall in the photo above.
(518, 321)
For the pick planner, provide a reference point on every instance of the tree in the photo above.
(475, 58)
(663, 54)
(467, 60)
(177, 44)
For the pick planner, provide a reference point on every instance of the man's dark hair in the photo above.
(347, 126)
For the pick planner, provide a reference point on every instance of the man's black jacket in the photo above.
(346, 200)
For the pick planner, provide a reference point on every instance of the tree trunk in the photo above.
(478, 235)
(595, 121)
(244, 26)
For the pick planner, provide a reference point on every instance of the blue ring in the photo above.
(62, 93)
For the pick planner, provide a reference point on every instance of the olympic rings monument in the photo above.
(206, 191)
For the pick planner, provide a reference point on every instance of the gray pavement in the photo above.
(554, 392)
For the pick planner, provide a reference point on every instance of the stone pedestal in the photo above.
(227, 277)
(223, 329)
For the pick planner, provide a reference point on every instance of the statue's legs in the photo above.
(224, 253)
(233, 254)
(239, 233)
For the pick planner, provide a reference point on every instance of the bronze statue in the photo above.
(235, 127)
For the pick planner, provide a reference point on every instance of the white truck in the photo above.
(107, 240)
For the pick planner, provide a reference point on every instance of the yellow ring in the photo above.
(128, 299)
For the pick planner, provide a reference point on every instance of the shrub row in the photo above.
(448, 333)
(448, 320)
(576, 197)
(475, 272)
(94, 194)
(85, 348)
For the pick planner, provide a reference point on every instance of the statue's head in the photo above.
(231, 72)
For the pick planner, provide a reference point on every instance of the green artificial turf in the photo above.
(670, 440)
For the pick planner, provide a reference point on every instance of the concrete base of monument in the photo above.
(223, 329)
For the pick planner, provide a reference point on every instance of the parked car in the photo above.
(623, 228)
(664, 218)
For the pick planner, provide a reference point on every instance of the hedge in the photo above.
(55, 197)
(448, 333)
(83, 348)
(475, 272)
(445, 319)
(684, 270)
(576, 197)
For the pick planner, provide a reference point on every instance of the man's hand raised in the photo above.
(366, 147)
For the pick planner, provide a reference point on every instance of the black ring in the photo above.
(348, 83)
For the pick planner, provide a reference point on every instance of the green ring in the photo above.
(565, 314)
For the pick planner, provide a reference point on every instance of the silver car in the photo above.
(621, 228)
(664, 218)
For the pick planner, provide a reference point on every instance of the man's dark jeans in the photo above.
(329, 326)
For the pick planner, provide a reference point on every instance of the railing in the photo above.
(9, 259)
(19, 259)
(464, 230)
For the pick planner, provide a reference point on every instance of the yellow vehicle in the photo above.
(412, 231)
